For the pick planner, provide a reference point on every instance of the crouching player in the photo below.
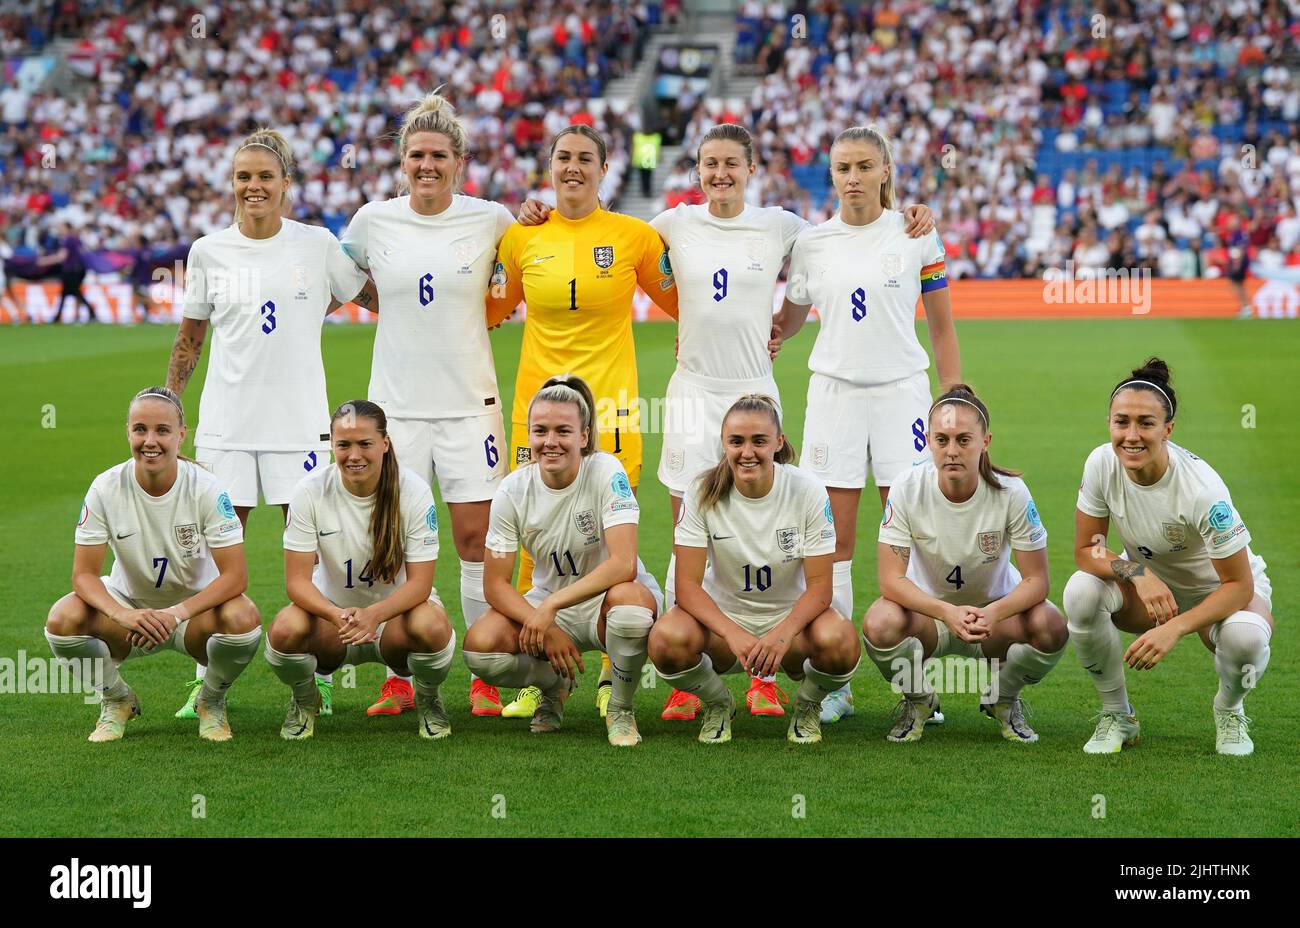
(573, 509)
(178, 575)
(370, 596)
(947, 582)
(1187, 567)
(754, 543)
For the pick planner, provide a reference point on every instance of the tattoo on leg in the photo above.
(1127, 570)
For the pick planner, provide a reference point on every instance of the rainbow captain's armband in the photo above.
(934, 277)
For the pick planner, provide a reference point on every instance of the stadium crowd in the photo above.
(1123, 134)
(1141, 133)
(144, 158)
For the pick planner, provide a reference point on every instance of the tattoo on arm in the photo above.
(185, 357)
(1127, 570)
(904, 553)
(364, 298)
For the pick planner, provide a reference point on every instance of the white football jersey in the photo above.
(757, 546)
(432, 356)
(266, 300)
(564, 530)
(961, 552)
(865, 281)
(1174, 527)
(726, 271)
(325, 518)
(161, 544)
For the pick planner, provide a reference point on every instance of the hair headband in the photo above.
(1169, 404)
(150, 391)
(957, 399)
(283, 163)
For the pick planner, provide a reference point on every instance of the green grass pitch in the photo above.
(1046, 384)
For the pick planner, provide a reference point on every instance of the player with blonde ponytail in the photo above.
(265, 285)
(572, 506)
(869, 391)
(431, 251)
(178, 575)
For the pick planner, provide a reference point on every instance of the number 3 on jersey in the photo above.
(268, 317)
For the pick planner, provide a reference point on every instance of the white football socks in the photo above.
(1089, 602)
(1240, 657)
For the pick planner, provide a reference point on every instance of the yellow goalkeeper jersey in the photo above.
(577, 279)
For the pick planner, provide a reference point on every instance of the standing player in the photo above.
(726, 258)
(946, 578)
(869, 393)
(1187, 567)
(178, 575)
(360, 549)
(577, 274)
(754, 546)
(431, 254)
(265, 285)
(572, 505)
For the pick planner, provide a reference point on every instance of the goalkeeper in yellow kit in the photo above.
(577, 273)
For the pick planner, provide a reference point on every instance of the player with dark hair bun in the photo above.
(1187, 567)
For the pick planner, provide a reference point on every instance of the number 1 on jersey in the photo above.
(573, 295)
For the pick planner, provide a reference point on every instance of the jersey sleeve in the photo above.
(895, 528)
(356, 236)
(1024, 524)
(663, 224)
(934, 272)
(797, 289)
(792, 227)
(92, 524)
(691, 531)
(618, 505)
(1092, 489)
(345, 278)
(504, 221)
(1219, 523)
(198, 304)
(421, 528)
(818, 523)
(300, 527)
(219, 524)
(506, 289)
(654, 272)
(503, 523)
